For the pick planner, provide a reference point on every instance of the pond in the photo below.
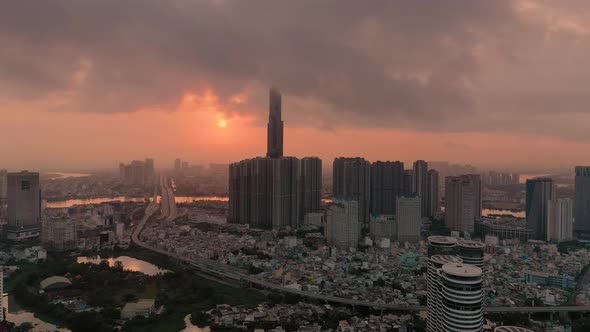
(129, 263)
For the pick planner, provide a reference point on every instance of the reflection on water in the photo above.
(179, 199)
(64, 175)
(21, 316)
(129, 263)
(191, 328)
(518, 214)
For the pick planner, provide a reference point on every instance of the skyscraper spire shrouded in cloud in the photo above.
(275, 125)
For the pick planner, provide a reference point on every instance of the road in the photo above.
(228, 272)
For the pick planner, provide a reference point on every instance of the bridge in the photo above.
(239, 276)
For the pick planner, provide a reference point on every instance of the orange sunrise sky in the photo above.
(496, 84)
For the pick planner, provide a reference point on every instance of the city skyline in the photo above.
(273, 165)
(464, 89)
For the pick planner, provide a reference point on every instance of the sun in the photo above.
(221, 123)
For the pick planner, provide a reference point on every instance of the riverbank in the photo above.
(69, 202)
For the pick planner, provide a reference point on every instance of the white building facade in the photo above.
(342, 224)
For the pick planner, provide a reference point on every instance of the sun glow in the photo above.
(221, 123)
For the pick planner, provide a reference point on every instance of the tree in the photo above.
(129, 297)
(200, 318)
(422, 299)
(104, 265)
(111, 313)
(86, 322)
(118, 266)
(24, 327)
(32, 279)
(581, 325)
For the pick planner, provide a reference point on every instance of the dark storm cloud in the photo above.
(414, 64)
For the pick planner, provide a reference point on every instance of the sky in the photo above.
(498, 84)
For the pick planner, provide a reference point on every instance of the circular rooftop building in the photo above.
(441, 245)
(434, 289)
(55, 282)
(444, 259)
(471, 252)
(461, 297)
(511, 329)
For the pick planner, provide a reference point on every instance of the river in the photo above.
(189, 199)
(99, 200)
(65, 175)
(129, 263)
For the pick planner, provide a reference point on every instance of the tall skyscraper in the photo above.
(3, 184)
(24, 205)
(138, 172)
(251, 192)
(261, 193)
(275, 125)
(387, 183)
(461, 297)
(539, 192)
(582, 200)
(149, 169)
(421, 184)
(561, 220)
(476, 180)
(265, 193)
(311, 186)
(177, 165)
(285, 192)
(352, 178)
(236, 199)
(434, 291)
(408, 182)
(463, 202)
(432, 195)
(273, 191)
(342, 223)
(409, 218)
(2, 317)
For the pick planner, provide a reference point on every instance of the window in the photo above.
(25, 185)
